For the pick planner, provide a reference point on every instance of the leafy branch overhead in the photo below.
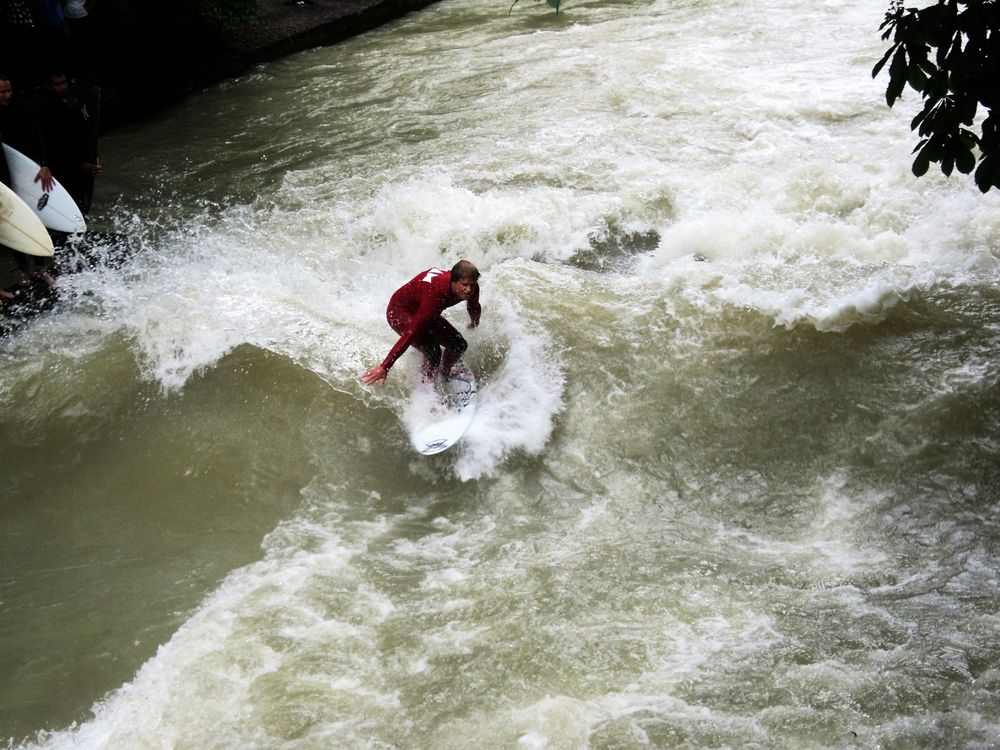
(949, 53)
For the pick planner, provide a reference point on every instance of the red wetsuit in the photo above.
(414, 312)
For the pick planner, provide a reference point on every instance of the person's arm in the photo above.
(474, 309)
(428, 310)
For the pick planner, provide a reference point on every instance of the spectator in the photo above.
(19, 127)
(53, 41)
(80, 25)
(70, 136)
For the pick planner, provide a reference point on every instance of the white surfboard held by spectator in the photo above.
(20, 228)
(56, 208)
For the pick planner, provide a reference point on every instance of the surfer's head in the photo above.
(6, 90)
(464, 270)
(464, 278)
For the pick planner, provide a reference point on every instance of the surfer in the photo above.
(414, 312)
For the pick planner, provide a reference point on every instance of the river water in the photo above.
(733, 481)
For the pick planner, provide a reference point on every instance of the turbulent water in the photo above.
(733, 479)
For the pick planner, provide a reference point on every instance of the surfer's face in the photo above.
(463, 288)
(6, 92)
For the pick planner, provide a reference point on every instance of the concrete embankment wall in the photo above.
(147, 56)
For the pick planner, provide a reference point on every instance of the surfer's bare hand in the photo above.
(375, 375)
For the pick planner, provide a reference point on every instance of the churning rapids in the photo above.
(733, 478)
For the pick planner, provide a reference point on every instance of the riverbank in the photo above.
(286, 26)
(144, 59)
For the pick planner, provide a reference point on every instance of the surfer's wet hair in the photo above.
(464, 270)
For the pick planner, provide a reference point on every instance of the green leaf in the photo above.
(916, 77)
(885, 58)
(922, 162)
(969, 139)
(897, 77)
(988, 174)
(965, 160)
(948, 164)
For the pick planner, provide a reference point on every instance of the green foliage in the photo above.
(225, 14)
(550, 3)
(949, 53)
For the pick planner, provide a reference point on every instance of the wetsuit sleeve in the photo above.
(429, 309)
(473, 307)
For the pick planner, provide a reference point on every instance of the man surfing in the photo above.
(414, 312)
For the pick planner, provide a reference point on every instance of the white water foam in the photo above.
(269, 619)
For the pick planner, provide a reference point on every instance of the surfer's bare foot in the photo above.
(429, 373)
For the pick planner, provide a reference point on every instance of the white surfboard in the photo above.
(56, 209)
(446, 414)
(20, 228)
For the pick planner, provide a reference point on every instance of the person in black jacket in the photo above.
(70, 136)
(20, 129)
